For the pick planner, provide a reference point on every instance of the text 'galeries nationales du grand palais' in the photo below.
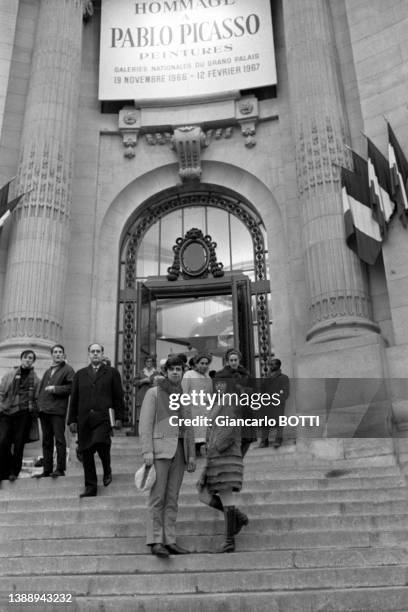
(182, 168)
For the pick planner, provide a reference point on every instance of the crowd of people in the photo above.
(90, 402)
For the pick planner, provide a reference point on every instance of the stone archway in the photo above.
(151, 211)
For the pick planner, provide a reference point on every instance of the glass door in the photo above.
(191, 325)
(190, 317)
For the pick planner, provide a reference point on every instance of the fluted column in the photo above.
(338, 296)
(33, 299)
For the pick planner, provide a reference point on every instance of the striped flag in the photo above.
(6, 207)
(4, 193)
(363, 233)
(380, 186)
(399, 176)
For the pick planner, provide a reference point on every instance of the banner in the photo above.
(183, 48)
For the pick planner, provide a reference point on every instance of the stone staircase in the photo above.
(324, 535)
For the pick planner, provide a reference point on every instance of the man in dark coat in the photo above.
(95, 390)
(52, 402)
(17, 410)
(275, 383)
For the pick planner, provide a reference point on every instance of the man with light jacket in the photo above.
(170, 447)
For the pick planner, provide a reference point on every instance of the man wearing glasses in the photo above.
(96, 389)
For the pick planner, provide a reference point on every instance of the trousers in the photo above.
(14, 429)
(88, 462)
(53, 427)
(163, 498)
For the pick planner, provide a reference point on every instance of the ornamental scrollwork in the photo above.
(205, 258)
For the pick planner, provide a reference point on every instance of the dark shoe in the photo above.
(230, 529)
(43, 475)
(277, 443)
(39, 462)
(107, 480)
(263, 444)
(57, 473)
(160, 551)
(175, 549)
(12, 477)
(89, 492)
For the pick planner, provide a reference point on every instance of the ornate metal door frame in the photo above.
(156, 208)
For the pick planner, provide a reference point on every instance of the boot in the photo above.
(229, 518)
(241, 520)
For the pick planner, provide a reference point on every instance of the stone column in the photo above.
(8, 19)
(338, 295)
(33, 302)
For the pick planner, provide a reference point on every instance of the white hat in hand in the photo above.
(145, 478)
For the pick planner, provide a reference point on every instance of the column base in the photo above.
(345, 383)
(340, 329)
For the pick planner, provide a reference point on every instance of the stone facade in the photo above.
(341, 66)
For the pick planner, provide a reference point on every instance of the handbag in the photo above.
(33, 434)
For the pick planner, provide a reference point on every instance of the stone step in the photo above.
(54, 544)
(258, 471)
(277, 460)
(129, 463)
(296, 479)
(288, 454)
(16, 492)
(106, 508)
(239, 581)
(121, 524)
(146, 563)
(129, 506)
(272, 457)
(373, 599)
(260, 484)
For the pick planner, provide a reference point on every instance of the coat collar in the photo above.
(56, 367)
(101, 371)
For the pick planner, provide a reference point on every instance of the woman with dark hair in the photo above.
(168, 445)
(238, 381)
(222, 476)
(199, 380)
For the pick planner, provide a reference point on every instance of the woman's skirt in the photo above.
(224, 474)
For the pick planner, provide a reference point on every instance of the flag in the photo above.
(399, 176)
(380, 186)
(6, 207)
(9, 209)
(4, 192)
(363, 233)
